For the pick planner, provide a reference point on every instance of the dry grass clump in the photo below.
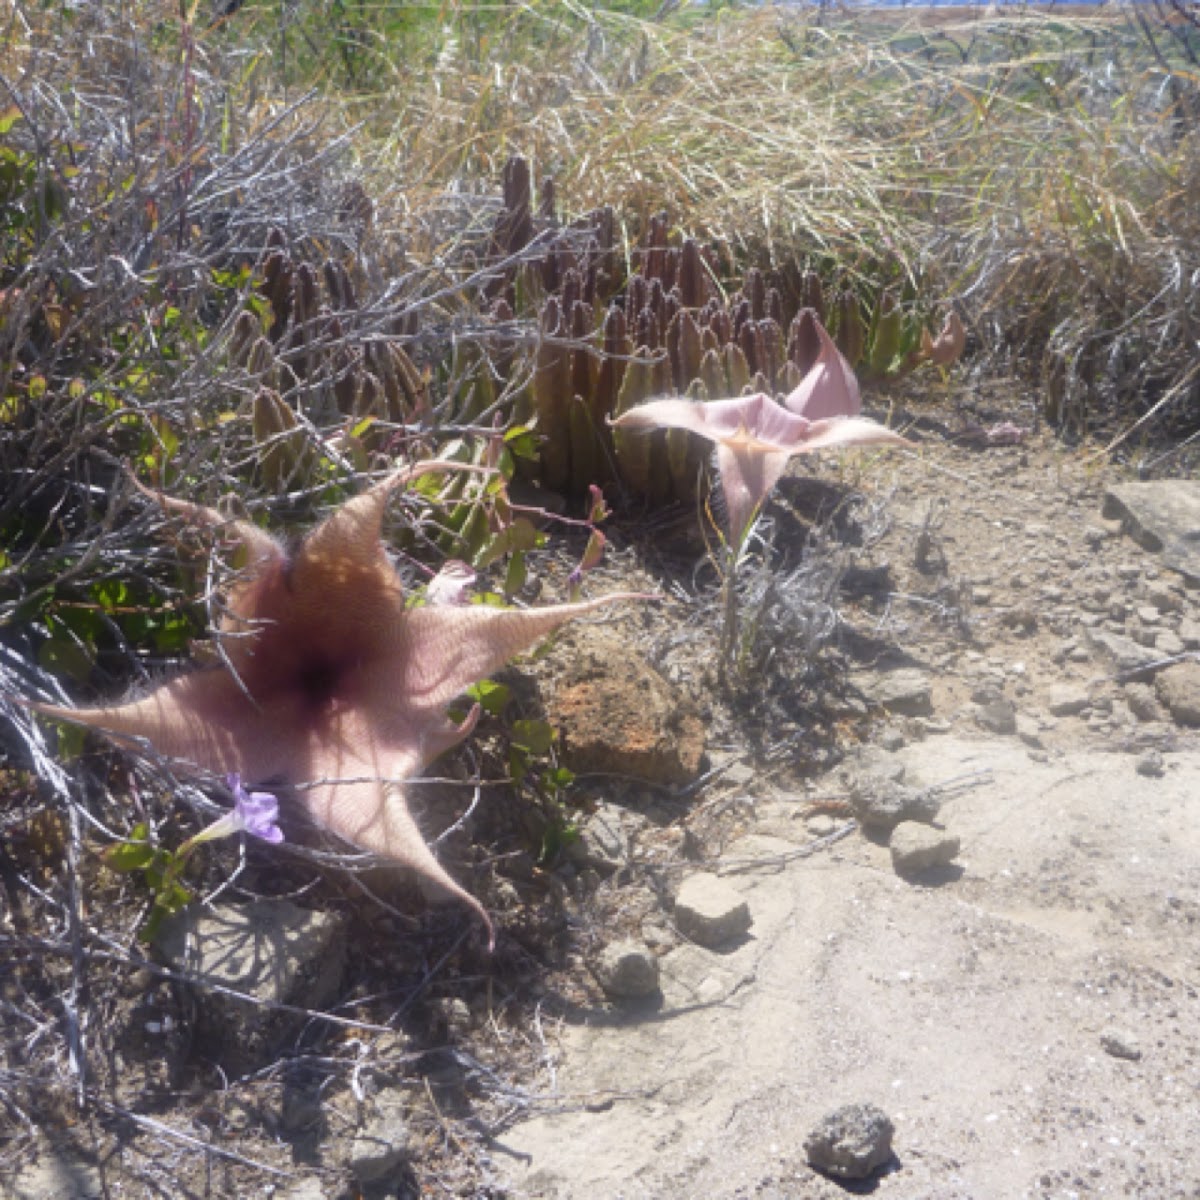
(1034, 164)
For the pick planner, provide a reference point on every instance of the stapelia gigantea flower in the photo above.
(755, 438)
(829, 388)
(328, 683)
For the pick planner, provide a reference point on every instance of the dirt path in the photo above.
(976, 1012)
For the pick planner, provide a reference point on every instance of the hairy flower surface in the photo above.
(327, 682)
(755, 437)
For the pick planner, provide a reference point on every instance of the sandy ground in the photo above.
(975, 1010)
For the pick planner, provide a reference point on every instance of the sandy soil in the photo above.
(1028, 1018)
(975, 1010)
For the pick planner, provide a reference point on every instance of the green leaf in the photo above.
(63, 655)
(71, 739)
(110, 594)
(491, 696)
(522, 442)
(520, 535)
(129, 856)
(514, 577)
(535, 736)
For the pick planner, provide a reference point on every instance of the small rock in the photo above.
(1120, 1045)
(1143, 703)
(710, 911)
(1125, 655)
(1189, 633)
(873, 760)
(604, 838)
(1179, 689)
(738, 774)
(997, 716)
(820, 825)
(878, 803)
(916, 848)
(382, 1141)
(626, 969)
(906, 691)
(306, 1189)
(1067, 699)
(1168, 644)
(1162, 595)
(616, 714)
(1029, 731)
(1152, 765)
(852, 1142)
(273, 950)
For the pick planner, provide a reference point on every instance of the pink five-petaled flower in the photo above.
(755, 437)
(328, 682)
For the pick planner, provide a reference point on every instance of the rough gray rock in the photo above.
(305, 1189)
(851, 1142)
(1179, 689)
(916, 848)
(382, 1142)
(710, 911)
(906, 691)
(1067, 699)
(878, 803)
(1152, 765)
(626, 970)
(874, 761)
(270, 950)
(1126, 656)
(1143, 702)
(1120, 1045)
(1162, 516)
(603, 842)
(997, 716)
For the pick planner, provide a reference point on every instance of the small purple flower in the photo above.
(256, 813)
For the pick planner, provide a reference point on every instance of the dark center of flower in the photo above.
(317, 680)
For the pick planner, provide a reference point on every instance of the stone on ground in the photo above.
(626, 970)
(851, 1142)
(617, 715)
(1179, 689)
(879, 803)
(382, 1142)
(270, 950)
(1067, 699)
(710, 911)
(1162, 516)
(906, 691)
(916, 848)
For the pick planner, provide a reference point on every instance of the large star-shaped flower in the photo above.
(328, 682)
